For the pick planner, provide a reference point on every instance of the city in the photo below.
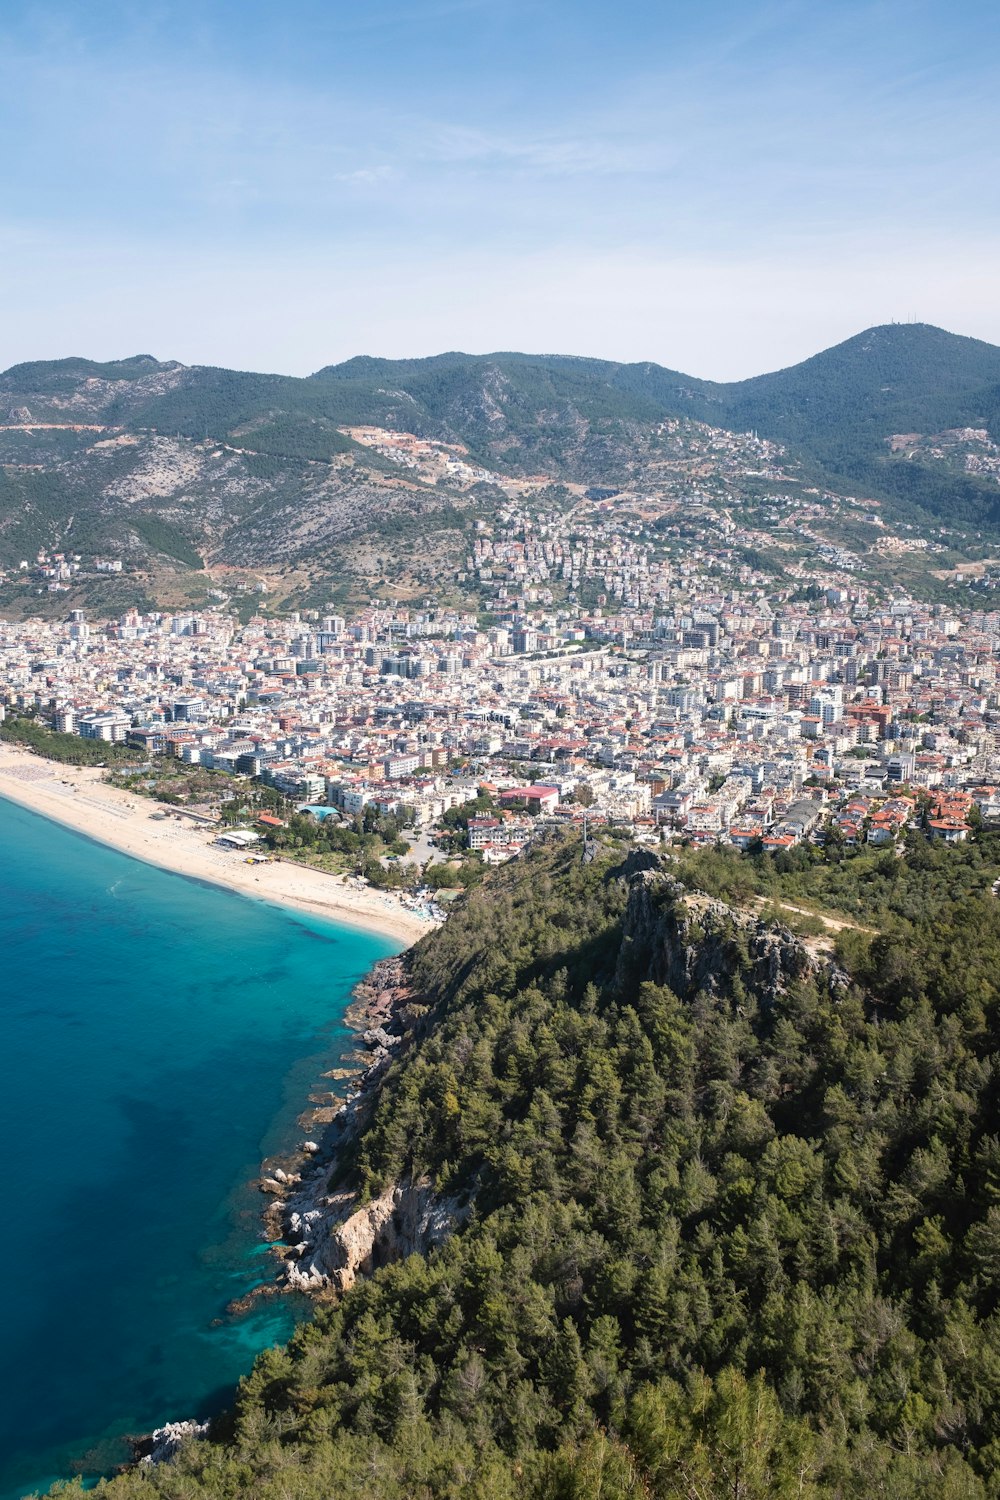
(741, 719)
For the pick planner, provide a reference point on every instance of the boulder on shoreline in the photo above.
(379, 1037)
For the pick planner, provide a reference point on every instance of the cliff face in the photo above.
(693, 943)
(335, 1242)
(331, 1237)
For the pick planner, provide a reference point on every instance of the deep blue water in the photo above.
(158, 1037)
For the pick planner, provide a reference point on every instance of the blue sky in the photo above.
(722, 188)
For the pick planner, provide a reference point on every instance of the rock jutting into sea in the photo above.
(165, 1442)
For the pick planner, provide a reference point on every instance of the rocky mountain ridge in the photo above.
(172, 467)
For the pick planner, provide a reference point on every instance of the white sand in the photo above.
(77, 797)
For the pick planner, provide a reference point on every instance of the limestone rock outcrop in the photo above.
(334, 1240)
(166, 1441)
(693, 943)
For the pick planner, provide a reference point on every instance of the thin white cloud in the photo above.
(621, 151)
(365, 175)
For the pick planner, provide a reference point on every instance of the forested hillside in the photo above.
(842, 406)
(727, 1208)
(837, 410)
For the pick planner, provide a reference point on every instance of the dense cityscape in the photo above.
(741, 719)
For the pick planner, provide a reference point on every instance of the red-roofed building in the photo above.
(948, 830)
(537, 799)
(774, 843)
(744, 836)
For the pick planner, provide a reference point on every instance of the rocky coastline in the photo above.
(322, 1235)
(163, 1444)
(301, 1209)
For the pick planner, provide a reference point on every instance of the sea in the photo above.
(158, 1038)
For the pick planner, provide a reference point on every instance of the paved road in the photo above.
(422, 851)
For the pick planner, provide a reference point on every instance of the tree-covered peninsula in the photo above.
(724, 1203)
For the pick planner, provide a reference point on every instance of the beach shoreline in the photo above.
(78, 798)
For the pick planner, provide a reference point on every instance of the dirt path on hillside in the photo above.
(835, 924)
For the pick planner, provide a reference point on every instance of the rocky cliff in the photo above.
(330, 1237)
(334, 1241)
(691, 942)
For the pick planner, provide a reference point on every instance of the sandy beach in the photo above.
(77, 797)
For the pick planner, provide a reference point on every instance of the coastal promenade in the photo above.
(77, 797)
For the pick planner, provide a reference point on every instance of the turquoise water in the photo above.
(158, 1037)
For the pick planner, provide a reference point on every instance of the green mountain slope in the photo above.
(165, 466)
(868, 382)
(896, 378)
(837, 409)
(842, 406)
(726, 1221)
(247, 467)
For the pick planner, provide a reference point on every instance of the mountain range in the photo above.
(171, 466)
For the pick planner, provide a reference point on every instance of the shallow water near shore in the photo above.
(158, 1037)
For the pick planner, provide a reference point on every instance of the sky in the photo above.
(723, 188)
